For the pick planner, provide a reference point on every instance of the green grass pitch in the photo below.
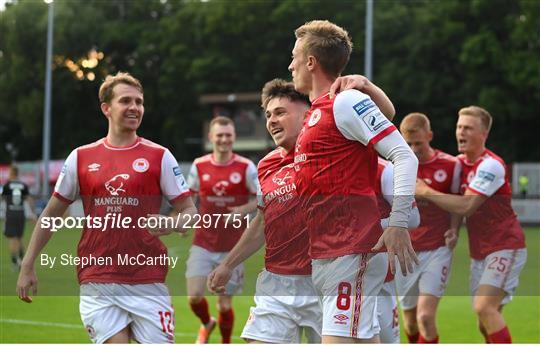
(54, 317)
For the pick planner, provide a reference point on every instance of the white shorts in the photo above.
(500, 269)
(387, 311)
(429, 277)
(286, 305)
(201, 262)
(106, 309)
(348, 286)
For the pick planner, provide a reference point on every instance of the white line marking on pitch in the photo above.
(73, 326)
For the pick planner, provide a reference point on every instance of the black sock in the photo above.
(14, 258)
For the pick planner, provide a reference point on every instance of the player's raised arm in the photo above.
(41, 235)
(363, 84)
(462, 205)
(251, 241)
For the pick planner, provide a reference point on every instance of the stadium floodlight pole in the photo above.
(368, 59)
(47, 106)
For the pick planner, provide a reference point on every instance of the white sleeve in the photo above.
(67, 185)
(193, 178)
(387, 183)
(394, 148)
(252, 181)
(358, 117)
(387, 190)
(172, 180)
(414, 219)
(489, 177)
(456, 178)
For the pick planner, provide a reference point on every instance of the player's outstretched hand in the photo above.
(349, 82)
(451, 238)
(218, 279)
(27, 280)
(398, 243)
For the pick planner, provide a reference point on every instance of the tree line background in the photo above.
(429, 56)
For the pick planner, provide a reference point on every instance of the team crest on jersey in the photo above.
(440, 175)
(315, 117)
(94, 167)
(281, 177)
(116, 185)
(220, 188)
(206, 177)
(140, 165)
(235, 178)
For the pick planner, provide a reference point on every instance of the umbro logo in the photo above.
(341, 319)
(94, 167)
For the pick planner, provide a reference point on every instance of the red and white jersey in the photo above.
(220, 186)
(442, 173)
(494, 226)
(287, 240)
(124, 182)
(336, 168)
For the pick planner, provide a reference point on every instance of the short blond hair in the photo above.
(478, 112)
(106, 93)
(221, 120)
(328, 43)
(414, 122)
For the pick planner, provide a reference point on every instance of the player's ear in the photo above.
(430, 135)
(105, 109)
(311, 62)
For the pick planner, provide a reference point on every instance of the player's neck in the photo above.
(319, 86)
(473, 155)
(287, 148)
(121, 139)
(428, 155)
(222, 157)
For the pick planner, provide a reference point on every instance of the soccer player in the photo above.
(15, 193)
(281, 314)
(123, 175)
(286, 301)
(496, 239)
(434, 239)
(387, 306)
(224, 182)
(336, 164)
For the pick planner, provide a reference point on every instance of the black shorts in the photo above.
(14, 225)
